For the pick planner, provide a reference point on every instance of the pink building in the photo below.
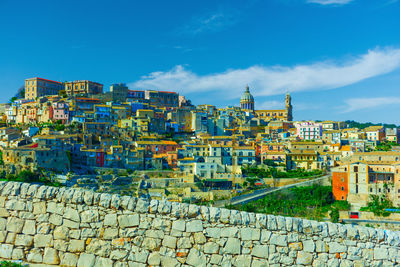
(308, 130)
(60, 112)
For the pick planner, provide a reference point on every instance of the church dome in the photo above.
(247, 101)
(247, 97)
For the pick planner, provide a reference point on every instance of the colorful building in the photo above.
(37, 87)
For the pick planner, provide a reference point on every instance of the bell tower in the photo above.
(289, 108)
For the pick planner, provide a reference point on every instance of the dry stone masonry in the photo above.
(47, 226)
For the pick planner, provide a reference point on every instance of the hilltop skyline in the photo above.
(338, 59)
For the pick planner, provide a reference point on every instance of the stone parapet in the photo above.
(75, 227)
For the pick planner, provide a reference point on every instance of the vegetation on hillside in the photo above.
(10, 264)
(377, 204)
(363, 125)
(275, 173)
(385, 146)
(28, 177)
(312, 202)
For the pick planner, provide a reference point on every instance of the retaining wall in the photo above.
(73, 227)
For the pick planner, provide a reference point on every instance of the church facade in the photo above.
(247, 104)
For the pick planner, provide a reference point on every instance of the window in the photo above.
(342, 188)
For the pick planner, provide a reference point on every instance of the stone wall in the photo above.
(72, 227)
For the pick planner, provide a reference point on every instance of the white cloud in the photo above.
(330, 2)
(275, 80)
(354, 104)
(211, 22)
(271, 104)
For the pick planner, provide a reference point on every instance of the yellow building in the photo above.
(83, 87)
(277, 114)
(37, 87)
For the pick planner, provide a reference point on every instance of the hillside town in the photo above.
(159, 144)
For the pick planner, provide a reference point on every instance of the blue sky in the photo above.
(340, 59)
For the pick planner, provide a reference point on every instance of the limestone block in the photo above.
(75, 234)
(61, 232)
(154, 259)
(110, 219)
(205, 213)
(194, 226)
(89, 216)
(309, 245)
(271, 222)
(43, 228)
(128, 220)
(72, 214)
(296, 246)
(51, 256)
(381, 253)
(211, 248)
(259, 263)
(110, 233)
(179, 225)
(354, 253)
(70, 224)
(193, 210)
(15, 204)
(169, 242)
(279, 240)
(169, 261)
(245, 218)
(11, 238)
(88, 197)
(139, 255)
(88, 232)
(248, 234)
(39, 208)
(215, 259)
(3, 224)
(6, 251)
(321, 246)
(35, 255)
(115, 201)
(15, 225)
(335, 247)
(232, 246)
(76, 245)
(56, 219)
(18, 254)
(215, 214)
(69, 259)
(4, 213)
(142, 206)
(213, 232)
(153, 206)
(265, 236)
(199, 238)
(41, 241)
(118, 254)
(184, 242)
(281, 222)
(61, 245)
(99, 247)
(164, 207)
(196, 258)
(24, 240)
(225, 215)
(333, 262)
(286, 260)
(304, 258)
(86, 260)
(242, 261)
(3, 235)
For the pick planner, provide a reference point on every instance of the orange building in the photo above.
(340, 187)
